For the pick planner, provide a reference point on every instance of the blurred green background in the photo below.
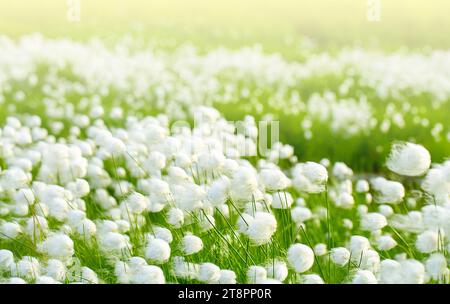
(276, 24)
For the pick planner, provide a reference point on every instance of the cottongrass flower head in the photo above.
(300, 257)
(388, 192)
(408, 159)
(311, 279)
(373, 221)
(436, 267)
(364, 277)
(256, 274)
(413, 272)
(209, 273)
(309, 177)
(6, 260)
(340, 256)
(191, 244)
(385, 242)
(427, 241)
(158, 251)
(147, 274)
(274, 179)
(227, 277)
(58, 246)
(261, 228)
(437, 182)
(277, 269)
(282, 200)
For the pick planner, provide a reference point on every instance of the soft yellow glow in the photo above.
(409, 22)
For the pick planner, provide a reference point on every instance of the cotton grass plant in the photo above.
(101, 183)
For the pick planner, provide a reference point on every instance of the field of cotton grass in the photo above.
(133, 163)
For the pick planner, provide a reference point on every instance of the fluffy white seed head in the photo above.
(413, 272)
(311, 279)
(227, 277)
(175, 217)
(261, 229)
(55, 269)
(373, 221)
(9, 230)
(427, 241)
(158, 251)
(147, 274)
(301, 214)
(6, 259)
(191, 244)
(58, 246)
(282, 200)
(300, 257)
(209, 273)
(256, 274)
(388, 192)
(277, 270)
(436, 266)
(274, 179)
(364, 277)
(409, 159)
(340, 256)
(309, 177)
(386, 242)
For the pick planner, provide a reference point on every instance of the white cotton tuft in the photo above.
(309, 177)
(388, 192)
(357, 245)
(158, 251)
(277, 270)
(256, 274)
(227, 277)
(184, 269)
(413, 272)
(437, 182)
(274, 179)
(390, 272)
(364, 277)
(362, 186)
(340, 256)
(175, 217)
(282, 200)
(27, 268)
(114, 242)
(408, 159)
(427, 241)
(261, 228)
(373, 221)
(191, 244)
(244, 185)
(58, 246)
(385, 242)
(147, 274)
(6, 259)
(209, 273)
(342, 171)
(436, 266)
(218, 192)
(55, 269)
(136, 203)
(300, 257)
(311, 279)
(300, 214)
(9, 230)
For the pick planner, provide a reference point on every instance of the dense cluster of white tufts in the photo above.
(98, 191)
